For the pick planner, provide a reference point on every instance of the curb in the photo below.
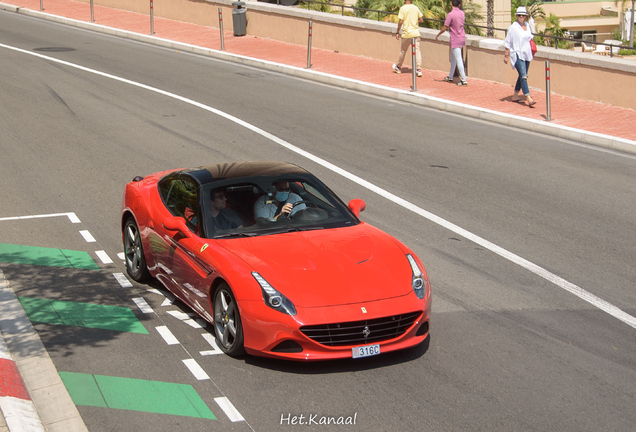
(559, 131)
(50, 407)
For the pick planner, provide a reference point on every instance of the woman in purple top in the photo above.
(455, 24)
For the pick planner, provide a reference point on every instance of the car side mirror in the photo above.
(176, 223)
(357, 206)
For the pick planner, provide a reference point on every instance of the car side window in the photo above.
(182, 199)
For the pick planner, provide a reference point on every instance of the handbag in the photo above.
(533, 47)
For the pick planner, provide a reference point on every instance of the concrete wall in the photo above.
(581, 75)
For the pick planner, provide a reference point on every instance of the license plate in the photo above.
(366, 351)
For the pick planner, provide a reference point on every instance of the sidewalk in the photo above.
(584, 121)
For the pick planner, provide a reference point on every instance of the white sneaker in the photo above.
(396, 69)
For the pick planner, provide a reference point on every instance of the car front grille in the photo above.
(361, 332)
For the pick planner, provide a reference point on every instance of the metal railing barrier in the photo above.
(221, 29)
(309, 47)
(152, 24)
(358, 12)
(413, 64)
(547, 91)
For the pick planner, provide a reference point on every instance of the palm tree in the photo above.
(434, 12)
(553, 28)
(490, 18)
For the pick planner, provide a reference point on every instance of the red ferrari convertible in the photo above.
(275, 261)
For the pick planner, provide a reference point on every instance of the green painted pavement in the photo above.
(135, 395)
(19, 254)
(82, 315)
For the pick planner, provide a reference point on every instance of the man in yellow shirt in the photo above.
(410, 16)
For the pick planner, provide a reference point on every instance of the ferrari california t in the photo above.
(275, 261)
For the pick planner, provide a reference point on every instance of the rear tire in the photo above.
(228, 328)
(134, 252)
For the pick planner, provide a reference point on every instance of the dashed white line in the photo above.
(179, 315)
(187, 320)
(123, 281)
(169, 301)
(71, 216)
(142, 305)
(102, 255)
(212, 341)
(196, 370)
(229, 410)
(167, 335)
(155, 291)
(121, 256)
(87, 236)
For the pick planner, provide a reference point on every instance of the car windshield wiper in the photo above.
(296, 229)
(237, 234)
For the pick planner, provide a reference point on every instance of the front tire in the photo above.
(134, 252)
(227, 322)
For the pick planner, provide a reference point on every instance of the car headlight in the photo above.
(417, 282)
(273, 298)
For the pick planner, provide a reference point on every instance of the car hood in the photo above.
(328, 267)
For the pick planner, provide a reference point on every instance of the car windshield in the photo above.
(261, 206)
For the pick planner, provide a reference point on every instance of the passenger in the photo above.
(223, 218)
(282, 204)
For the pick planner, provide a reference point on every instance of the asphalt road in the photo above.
(509, 350)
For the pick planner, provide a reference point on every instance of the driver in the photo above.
(282, 204)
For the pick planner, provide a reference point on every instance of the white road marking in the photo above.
(155, 291)
(123, 281)
(539, 271)
(87, 236)
(167, 335)
(212, 341)
(71, 216)
(143, 305)
(229, 410)
(179, 315)
(187, 320)
(121, 256)
(198, 324)
(20, 415)
(169, 301)
(196, 370)
(104, 257)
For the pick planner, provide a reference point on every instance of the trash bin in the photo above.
(239, 20)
